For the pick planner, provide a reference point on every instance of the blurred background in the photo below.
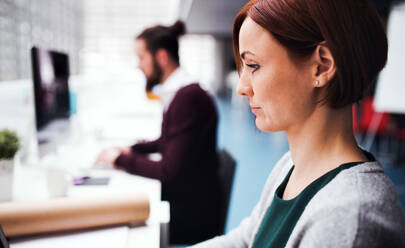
(98, 36)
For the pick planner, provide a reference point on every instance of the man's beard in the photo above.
(155, 78)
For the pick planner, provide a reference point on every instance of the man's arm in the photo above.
(188, 116)
(146, 146)
(174, 157)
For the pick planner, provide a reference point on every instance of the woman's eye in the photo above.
(255, 67)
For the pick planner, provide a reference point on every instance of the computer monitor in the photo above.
(50, 71)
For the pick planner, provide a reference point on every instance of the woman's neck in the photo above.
(323, 142)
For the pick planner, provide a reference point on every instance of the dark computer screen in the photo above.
(50, 72)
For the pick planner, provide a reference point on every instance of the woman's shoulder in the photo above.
(360, 205)
(366, 184)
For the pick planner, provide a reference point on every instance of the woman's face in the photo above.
(280, 92)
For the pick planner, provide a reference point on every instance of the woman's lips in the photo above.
(255, 110)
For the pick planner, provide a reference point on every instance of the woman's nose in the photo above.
(244, 88)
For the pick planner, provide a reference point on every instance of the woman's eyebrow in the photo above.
(243, 55)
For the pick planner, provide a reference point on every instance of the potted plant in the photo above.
(9, 145)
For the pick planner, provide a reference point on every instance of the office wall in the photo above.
(211, 16)
(109, 29)
(52, 24)
(111, 26)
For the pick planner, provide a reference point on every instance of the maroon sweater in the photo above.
(188, 168)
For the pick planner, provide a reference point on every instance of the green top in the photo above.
(282, 215)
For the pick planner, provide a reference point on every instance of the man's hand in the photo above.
(125, 150)
(108, 156)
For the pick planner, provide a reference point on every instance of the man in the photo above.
(187, 145)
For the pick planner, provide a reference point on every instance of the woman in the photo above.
(302, 64)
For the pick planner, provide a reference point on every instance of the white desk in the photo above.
(120, 182)
(108, 113)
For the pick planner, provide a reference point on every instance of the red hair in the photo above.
(352, 29)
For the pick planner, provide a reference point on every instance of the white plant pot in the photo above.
(6, 179)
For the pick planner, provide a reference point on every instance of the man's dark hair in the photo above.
(166, 37)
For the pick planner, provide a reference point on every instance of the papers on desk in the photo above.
(108, 237)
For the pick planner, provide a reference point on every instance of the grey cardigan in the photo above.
(358, 208)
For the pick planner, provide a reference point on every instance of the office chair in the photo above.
(226, 172)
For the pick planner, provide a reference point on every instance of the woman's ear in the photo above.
(325, 65)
